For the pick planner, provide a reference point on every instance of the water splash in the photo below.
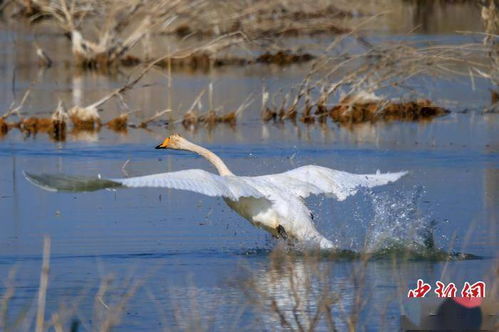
(375, 220)
(380, 225)
(392, 224)
(398, 220)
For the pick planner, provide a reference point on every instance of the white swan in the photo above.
(272, 202)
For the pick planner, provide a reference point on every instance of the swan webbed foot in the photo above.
(282, 232)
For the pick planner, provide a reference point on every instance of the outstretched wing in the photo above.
(195, 180)
(306, 180)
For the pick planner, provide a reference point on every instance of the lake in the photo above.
(181, 260)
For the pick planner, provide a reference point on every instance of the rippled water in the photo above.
(184, 243)
(191, 252)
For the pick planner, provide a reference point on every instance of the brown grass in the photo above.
(104, 34)
(42, 289)
(84, 118)
(118, 26)
(261, 19)
(336, 70)
(202, 61)
(55, 128)
(347, 112)
(4, 127)
(118, 124)
(494, 97)
(283, 58)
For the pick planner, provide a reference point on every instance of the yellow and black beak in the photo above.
(163, 145)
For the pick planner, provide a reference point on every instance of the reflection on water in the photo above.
(305, 292)
(433, 16)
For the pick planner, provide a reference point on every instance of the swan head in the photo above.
(174, 141)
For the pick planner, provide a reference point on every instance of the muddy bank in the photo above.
(358, 109)
(348, 112)
(204, 61)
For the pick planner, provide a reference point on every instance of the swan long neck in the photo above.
(210, 156)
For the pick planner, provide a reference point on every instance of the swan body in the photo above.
(272, 202)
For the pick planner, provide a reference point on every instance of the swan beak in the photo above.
(163, 145)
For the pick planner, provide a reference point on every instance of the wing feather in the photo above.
(195, 180)
(311, 179)
(302, 181)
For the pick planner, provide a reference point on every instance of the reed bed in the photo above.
(342, 85)
(104, 34)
